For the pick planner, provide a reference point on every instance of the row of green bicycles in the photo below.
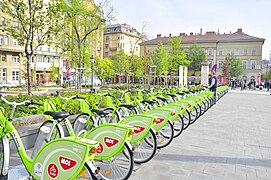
(104, 143)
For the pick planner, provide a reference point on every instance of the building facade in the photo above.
(121, 36)
(11, 62)
(217, 46)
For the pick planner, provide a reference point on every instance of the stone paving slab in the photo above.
(230, 141)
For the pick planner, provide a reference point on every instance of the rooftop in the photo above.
(121, 28)
(210, 36)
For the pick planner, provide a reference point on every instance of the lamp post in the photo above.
(92, 73)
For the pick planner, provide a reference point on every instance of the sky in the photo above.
(177, 16)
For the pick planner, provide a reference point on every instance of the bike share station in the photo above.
(95, 143)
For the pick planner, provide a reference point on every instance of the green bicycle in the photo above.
(65, 158)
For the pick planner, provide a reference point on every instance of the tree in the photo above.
(103, 68)
(177, 55)
(196, 56)
(82, 19)
(54, 73)
(120, 63)
(32, 23)
(160, 59)
(236, 68)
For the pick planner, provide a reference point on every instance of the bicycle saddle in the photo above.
(57, 115)
(128, 106)
(148, 101)
(163, 99)
(172, 95)
(100, 112)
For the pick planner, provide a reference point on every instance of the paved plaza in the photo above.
(230, 141)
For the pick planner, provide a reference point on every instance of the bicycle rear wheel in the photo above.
(165, 135)
(118, 167)
(194, 115)
(145, 149)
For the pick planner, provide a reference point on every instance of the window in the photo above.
(210, 52)
(1, 40)
(14, 42)
(6, 40)
(220, 52)
(4, 57)
(245, 51)
(253, 51)
(253, 64)
(40, 48)
(244, 64)
(228, 52)
(106, 46)
(49, 48)
(236, 51)
(107, 38)
(15, 75)
(220, 64)
(106, 54)
(2, 22)
(15, 58)
(3, 74)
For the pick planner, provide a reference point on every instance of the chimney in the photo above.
(182, 34)
(200, 31)
(191, 34)
(169, 34)
(159, 35)
(239, 30)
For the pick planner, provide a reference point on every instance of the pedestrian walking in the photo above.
(213, 85)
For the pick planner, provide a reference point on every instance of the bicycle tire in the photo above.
(145, 149)
(119, 167)
(193, 115)
(186, 119)
(2, 158)
(56, 132)
(178, 126)
(86, 173)
(165, 135)
(88, 126)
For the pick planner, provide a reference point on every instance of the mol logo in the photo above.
(52, 170)
(100, 148)
(110, 142)
(159, 120)
(138, 129)
(66, 163)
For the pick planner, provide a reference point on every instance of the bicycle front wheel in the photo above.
(178, 126)
(186, 119)
(3, 174)
(86, 173)
(119, 167)
(145, 149)
(55, 132)
(165, 135)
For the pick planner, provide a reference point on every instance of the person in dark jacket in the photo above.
(213, 85)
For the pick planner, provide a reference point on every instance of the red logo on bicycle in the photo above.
(100, 148)
(138, 129)
(159, 120)
(52, 170)
(109, 142)
(66, 163)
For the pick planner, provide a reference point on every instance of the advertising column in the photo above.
(180, 75)
(185, 77)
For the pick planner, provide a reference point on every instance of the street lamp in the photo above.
(92, 73)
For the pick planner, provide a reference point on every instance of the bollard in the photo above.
(79, 125)
(43, 134)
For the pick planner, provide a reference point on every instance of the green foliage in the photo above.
(177, 55)
(196, 56)
(104, 67)
(136, 65)
(160, 59)
(236, 68)
(120, 62)
(54, 73)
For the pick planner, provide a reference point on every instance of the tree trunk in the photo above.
(28, 73)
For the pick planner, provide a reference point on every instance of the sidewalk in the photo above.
(230, 141)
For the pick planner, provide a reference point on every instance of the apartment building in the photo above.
(121, 36)
(11, 62)
(217, 46)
